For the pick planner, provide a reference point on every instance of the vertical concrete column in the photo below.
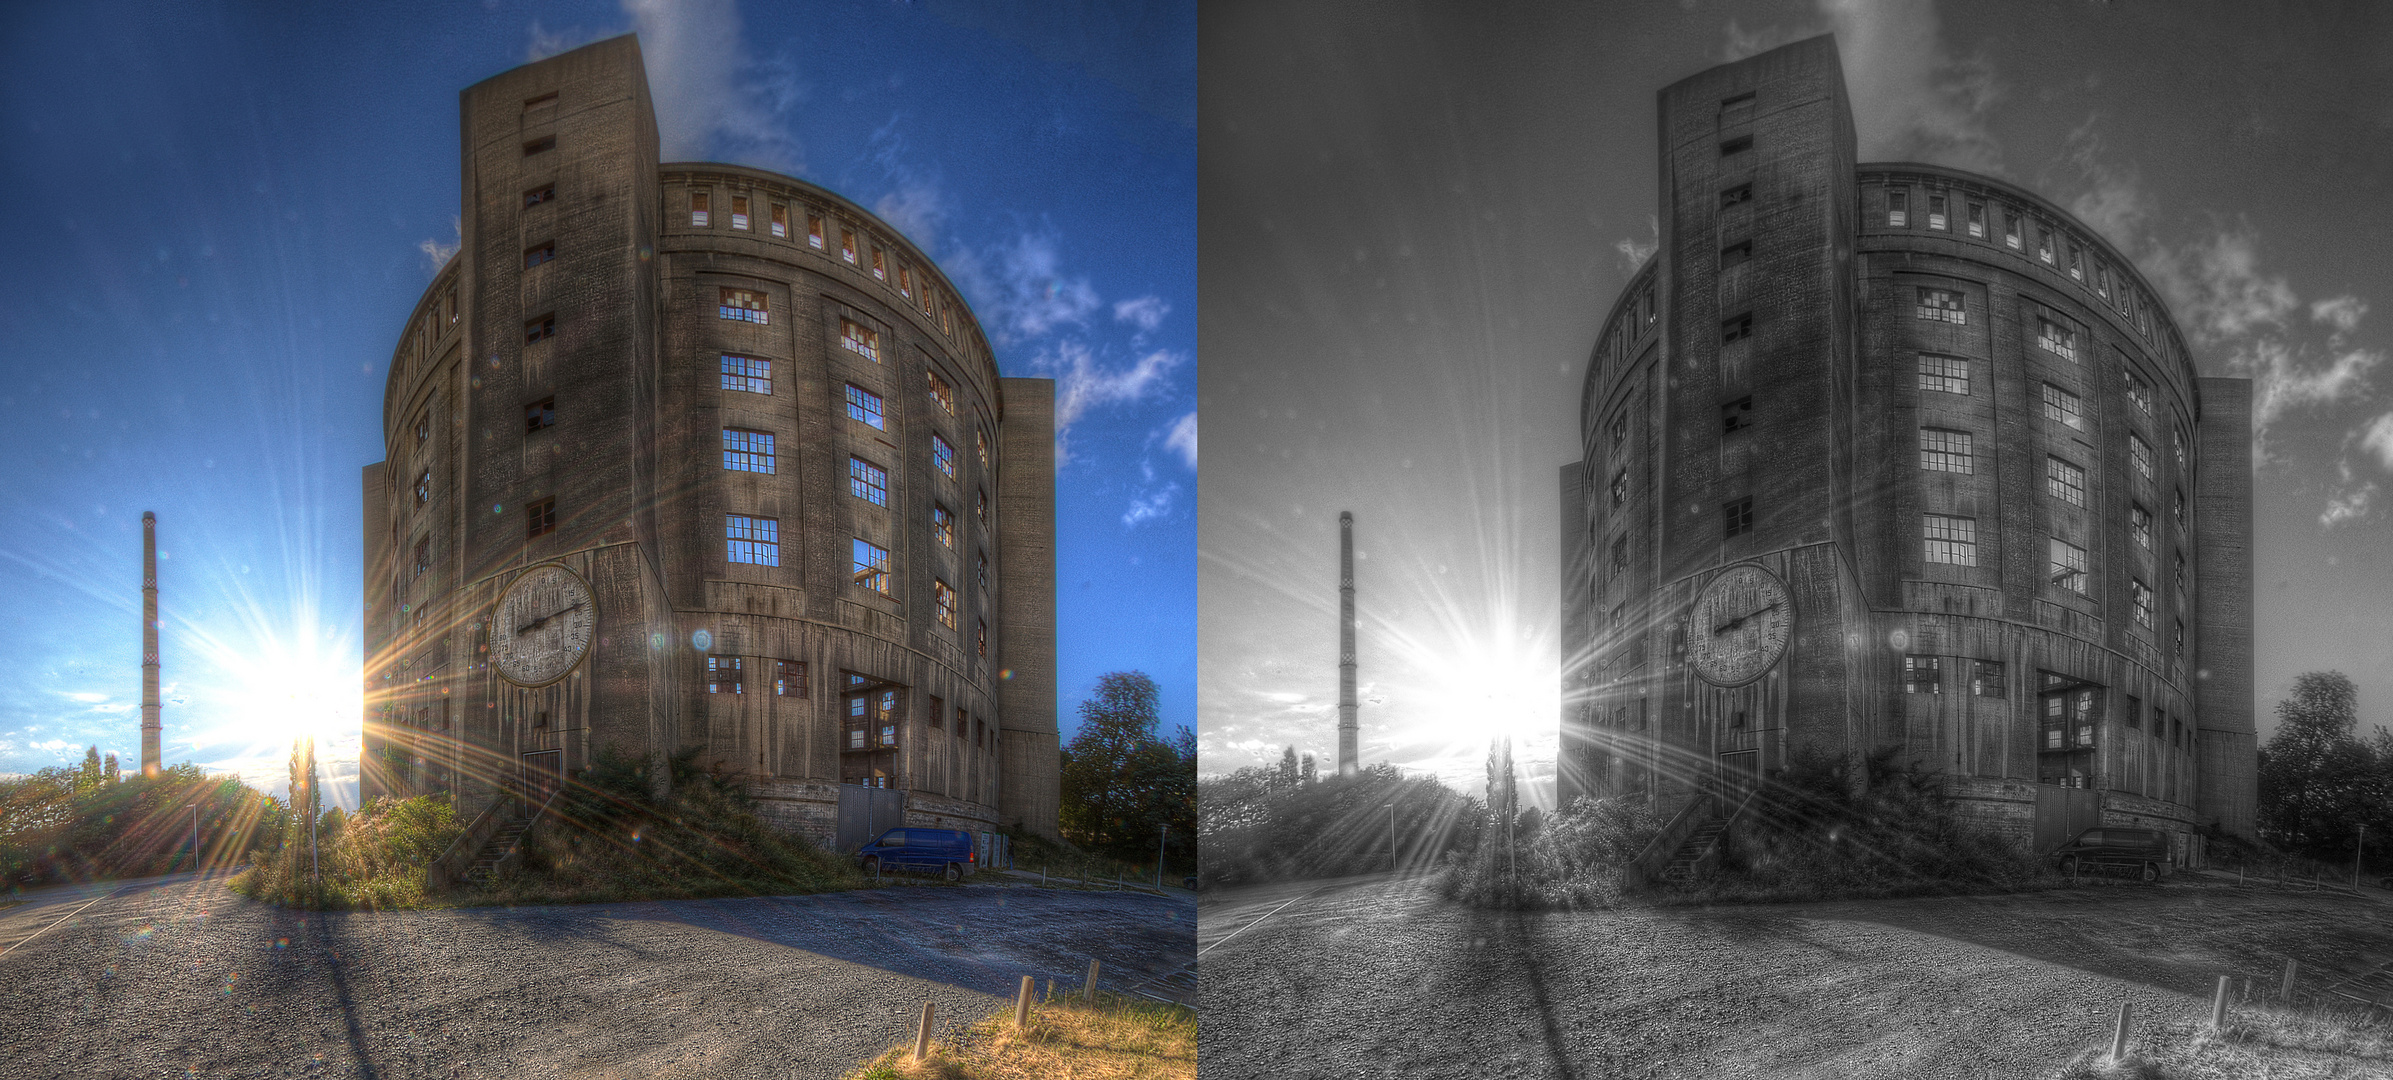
(1031, 765)
(1348, 726)
(2226, 745)
(150, 728)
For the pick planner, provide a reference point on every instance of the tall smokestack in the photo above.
(149, 644)
(1347, 727)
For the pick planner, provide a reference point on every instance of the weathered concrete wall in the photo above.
(2223, 644)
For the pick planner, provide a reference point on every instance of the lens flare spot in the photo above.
(1898, 640)
(701, 640)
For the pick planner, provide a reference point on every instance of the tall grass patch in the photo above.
(373, 860)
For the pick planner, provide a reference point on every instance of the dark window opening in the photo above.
(540, 329)
(1736, 329)
(543, 101)
(541, 518)
(539, 414)
(1737, 517)
(538, 195)
(1736, 196)
(1736, 254)
(1737, 145)
(540, 145)
(535, 256)
(1736, 416)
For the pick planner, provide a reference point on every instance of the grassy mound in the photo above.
(607, 839)
(1118, 1038)
(374, 860)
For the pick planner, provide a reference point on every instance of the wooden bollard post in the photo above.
(2218, 1006)
(2118, 1039)
(922, 1034)
(2285, 993)
(1022, 1005)
(1090, 993)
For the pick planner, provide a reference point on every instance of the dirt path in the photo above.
(180, 978)
(1374, 979)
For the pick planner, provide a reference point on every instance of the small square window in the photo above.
(1923, 674)
(1737, 145)
(941, 395)
(1942, 305)
(540, 518)
(540, 329)
(1736, 196)
(1736, 416)
(1943, 374)
(1736, 329)
(1736, 254)
(2139, 526)
(2061, 405)
(2069, 566)
(723, 675)
(860, 339)
(1986, 679)
(868, 481)
(747, 451)
(1950, 540)
(535, 256)
(541, 145)
(1977, 220)
(752, 540)
(1946, 451)
(943, 526)
(1937, 218)
(943, 602)
(540, 414)
(864, 406)
(943, 457)
(747, 374)
(780, 221)
(742, 305)
(698, 209)
(2064, 481)
(789, 678)
(739, 211)
(538, 195)
(1737, 517)
(2056, 339)
(871, 569)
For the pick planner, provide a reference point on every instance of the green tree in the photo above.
(111, 773)
(1123, 785)
(1290, 774)
(1311, 772)
(92, 774)
(2318, 781)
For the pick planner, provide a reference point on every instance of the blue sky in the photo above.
(1435, 204)
(224, 212)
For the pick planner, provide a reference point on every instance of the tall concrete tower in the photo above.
(1347, 728)
(149, 644)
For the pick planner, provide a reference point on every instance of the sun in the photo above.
(289, 689)
(1492, 686)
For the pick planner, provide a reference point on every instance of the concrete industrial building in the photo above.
(1895, 455)
(691, 455)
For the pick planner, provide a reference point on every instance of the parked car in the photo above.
(2145, 851)
(946, 852)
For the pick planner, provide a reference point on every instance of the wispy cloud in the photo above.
(1150, 505)
(916, 202)
(1145, 312)
(712, 99)
(436, 254)
(1021, 289)
(1183, 438)
(1084, 382)
(1913, 100)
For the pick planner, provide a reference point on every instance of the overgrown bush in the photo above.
(1060, 859)
(1257, 825)
(1570, 860)
(64, 824)
(373, 860)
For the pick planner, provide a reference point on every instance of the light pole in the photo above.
(2356, 845)
(1162, 834)
(194, 808)
(1391, 808)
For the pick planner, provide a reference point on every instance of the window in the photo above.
(861, 340)
(540, 329)
(2061, 405)
(538, 195)
(535, 256)
(1936, 212)
(1942, 305)
(752, 540)
(980, 568)
(943, 526)
(423, 428)
(2056, 339)
(905, 280)
(1950, 540)
(880, 269)
(747, 374)
(868, 481)
(2077, 263)
(980, 436)
(1898, 208)
(739, 211)
(980, 637)
(1620, 553)
(2139, 526)
(789, 678)
(2139, 597)
(2064, 481)
(742, 305)
(423, 556)
(2177, 444)
(2177, 509)
(2102, 280)
(814, 231)
(2179, 640)
(698, 209)
(544, 101)
(2139, 455)
(540, 518)
(847, 245)
(857, 721)
(780, 221)
(1736, 254)
(1977, 220)
(1736, 196)
(1736, 415)
(980, 506)
(1620, 486)
(1736, 329)
(1986, 679)
(723, 675)
(1736, 518)
(1738, 109)
(2044, 244)
(871, 567)
(540, 414)
(541, 145)
(2139, 392)
(1737, 145)
(423, 488)
(943, 601)
(748, 451)
(2180, 569)
(1620, 430)
(2069, 566)
(1945, 451)
(1943, 374)
(1923, 674)
(2010, 228)
(942, 395)
(943, 457)
(864, 405)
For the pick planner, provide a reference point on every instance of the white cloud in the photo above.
(2285, 378)
(711, 98)
(88, 697)
(1740, 44)
(1150, 505)
(1021, 290)
(2350, 501)
(1912, 100)
(1083, 384)
(1634, 252)
(917, 208)
(2376, 437)
(1146, 312)
(1183, 438)
(436, 254)
(2219, 290)
(2343, 312)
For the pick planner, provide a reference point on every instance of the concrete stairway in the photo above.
(502, 844)
(1682, 862)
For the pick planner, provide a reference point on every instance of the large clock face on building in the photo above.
(1740, 625)
(541, 627)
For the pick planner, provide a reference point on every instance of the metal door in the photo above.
(1740, 774)
(543, 774)
(2063, 812)
(865, 812)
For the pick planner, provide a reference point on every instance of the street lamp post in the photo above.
(1162, 835)
(1391, 808)
(194, 808)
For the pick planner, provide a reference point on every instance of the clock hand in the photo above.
(543, 620)
(1739, 620)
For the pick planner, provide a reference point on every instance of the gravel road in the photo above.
(172, 977)
(1373, 978)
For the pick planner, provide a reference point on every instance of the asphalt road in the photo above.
(1371, 978)
(172, 977)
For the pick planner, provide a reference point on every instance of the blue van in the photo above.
(946, 852)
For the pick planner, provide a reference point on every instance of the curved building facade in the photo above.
(695, 457)
(1894, 455)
